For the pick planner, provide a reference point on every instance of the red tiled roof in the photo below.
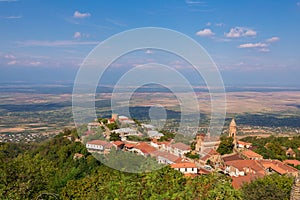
(98, 142)
(169, 156)
(184, 165)
(232, 157)
(277, 166)
(145, 148)
(129, 145)
(237, 182)
(242, 164)
(205, 158)
(210, 152)
(251, 154)
(181, 146)
(118, 143)
(292, 162)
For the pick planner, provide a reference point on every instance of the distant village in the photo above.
(200, 157)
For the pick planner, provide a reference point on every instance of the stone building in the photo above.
(232, 131)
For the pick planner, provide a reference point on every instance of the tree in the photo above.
(114, 137)
(226, 145)
(270, 187)
(112, 126)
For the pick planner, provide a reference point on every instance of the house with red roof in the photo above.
(237, 182)
(111, 121)
(129, 146)
(279, 167)
(290, 153)
(251, 155)
(179, 149)
(241, 144)
(243, 167)
(93, 125)
(212, 155)
(164, 157)
(185, 167)
(118, 144)
(143, 149)
(160, 145)
(98, 146)
(292, 162)
(231, 157)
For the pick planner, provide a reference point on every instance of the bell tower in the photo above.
(232, 130)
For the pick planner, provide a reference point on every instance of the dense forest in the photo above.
(49, 170)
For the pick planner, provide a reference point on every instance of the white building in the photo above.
(98, 145)
(155, 134)
(126, 131)
(179, 149)
(185, 167)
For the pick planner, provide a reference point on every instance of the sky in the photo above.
(252, 42)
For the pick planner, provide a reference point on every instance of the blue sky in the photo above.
(252, 42)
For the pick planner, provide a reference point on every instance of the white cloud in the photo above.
(298, 3)
(149, 51)
(264, 50)
(208, 24)
(273, 39)
(253, 45)
(36, 63)
(9, 56)
(190, 2)
(78, 14)
(12, 17)
(240, 32)
(205, 32)
(77, 35)
(13, 62)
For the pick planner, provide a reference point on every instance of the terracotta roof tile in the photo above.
(237, 182)
(292, 162)
(241, 165)
(184, 165)
(181, 146)
(227, 158)
(278, 166)
(251, 154)
(98, 142)
(166, 155)
(145, 148)
(118, 143)
(129, 145)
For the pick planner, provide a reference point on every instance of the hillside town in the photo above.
(200, 157)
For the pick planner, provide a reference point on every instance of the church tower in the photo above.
(232, 130)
